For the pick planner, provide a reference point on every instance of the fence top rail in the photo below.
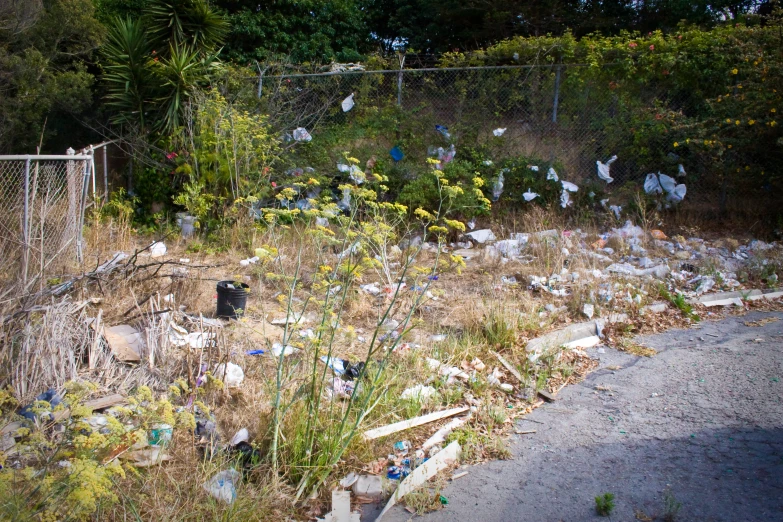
(427, 69)
(37, 157)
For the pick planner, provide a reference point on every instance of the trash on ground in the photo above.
(125, 342)
(439, 437)
(440, 461)
(551, 175)
(443, 130)
(507, 365)
(368, 488)
(481, 236)
(499, 132)
(157, 249)
(497, 188)
(222, 485)
(412, 423)
(145, 458)
(341, 509)
(419, 393)
(494, 379)
(589, 310)
(231, 374)
(240, 436)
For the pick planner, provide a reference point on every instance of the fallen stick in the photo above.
(412, 423)
(442, 460)
(509, 367)
(526, 432)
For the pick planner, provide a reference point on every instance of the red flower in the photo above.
(652, 47)
(632, 44)
(274, 184)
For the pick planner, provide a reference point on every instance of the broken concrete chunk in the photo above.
(368, 487)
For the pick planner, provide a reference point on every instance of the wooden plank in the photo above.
(412, 423)
(509, 367)
(100, 403)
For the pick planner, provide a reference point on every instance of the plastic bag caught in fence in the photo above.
(396, 154)
(347, 103)
(565, 199)
(681, 171)
(652, 185)
(616, 209)
(499, 132)
(603, 169)
(551, 175)
(534, 168)
(529, 195)
(357, 174)
(497, 189)
(445, 156)
(301, 134)
(570, 187)
(443, 130)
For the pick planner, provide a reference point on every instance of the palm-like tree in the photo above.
(156, 63)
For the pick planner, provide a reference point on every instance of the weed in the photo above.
(678, 300)
(629, 346)
(499, 330)
(670, 506)
(604, 504)
(423, 500)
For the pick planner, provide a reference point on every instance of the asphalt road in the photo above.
(699, 424)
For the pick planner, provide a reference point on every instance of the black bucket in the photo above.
(231, 302)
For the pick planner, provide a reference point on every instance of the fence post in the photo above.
(105, 175)
(557, 94)
(260, 79)
(399, 81)
(80, 217)
(26, 222)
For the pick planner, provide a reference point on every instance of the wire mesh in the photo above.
(43, 205)
(570, 116)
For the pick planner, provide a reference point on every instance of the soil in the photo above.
(700, 423)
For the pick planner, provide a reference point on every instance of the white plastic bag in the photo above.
(617, 210)
(222, 485)
(301, 134)
(565, 199)
(652, 185)
(551, 175)
(667, 183)
(499, 132)
(233, 374)
(347, 103)
(681, 171)
(497, 188)
(529, 195)
(678, 194)
(570, 187)
(603, 169)
(158, 249)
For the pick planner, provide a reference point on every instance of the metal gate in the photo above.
(42, 202)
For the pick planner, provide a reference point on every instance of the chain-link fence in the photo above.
(43, 200)
(568, 116)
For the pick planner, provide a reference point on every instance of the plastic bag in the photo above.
(667, 183)
(301, 134)
(681, 171)
(565, 199)
(222, 485)
(357, 175)
(233, 374)
(443, 130)
(343, 167)
(499, 132)
(497, 188)
(345, 203)
(534, 168)
(529, 195)
(570, 187)
(551, 175)
(603, 169)
(347, 103)
(678, 194)
(396, 154)
(652, 185)
(616, 209)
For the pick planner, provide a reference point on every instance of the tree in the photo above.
(154, 64)
(299, 30)
(45, 47)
